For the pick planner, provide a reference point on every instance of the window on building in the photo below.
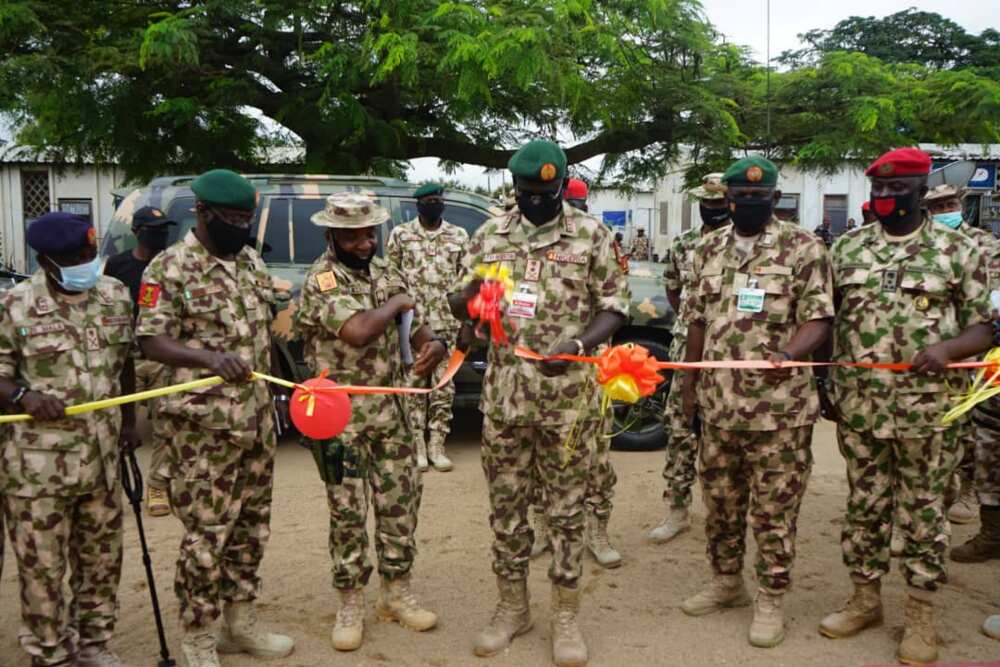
(82, 207)
(835, 209)
(34, 193)
(787, 208)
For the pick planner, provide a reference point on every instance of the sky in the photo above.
(745, 22)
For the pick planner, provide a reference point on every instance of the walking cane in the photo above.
(132, 482)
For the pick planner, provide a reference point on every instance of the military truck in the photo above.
(289, 243)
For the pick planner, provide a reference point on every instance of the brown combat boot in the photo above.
(568, 647)
(349, 628)
(919, 644)
(397, 602)
(599, 543)
(768, 627)
(511, 618)
(984, 546)
(862, 610)
(724, 591)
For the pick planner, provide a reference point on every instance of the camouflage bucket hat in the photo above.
(944, 191)
(350, 210)
(711, 187)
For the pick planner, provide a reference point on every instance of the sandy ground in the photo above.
(630, 615)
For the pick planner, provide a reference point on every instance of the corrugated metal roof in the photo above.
(963, 151)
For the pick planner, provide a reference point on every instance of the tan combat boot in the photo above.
(768, 627)
(199, 648)
(984, 546)
(862, 610)
(435, 452)
(919, 643)
(677, 522)
(422, 464)
(540, 526)
(724, 591)
(568, 647)
(599, 543)
(349, 628)
(157, 502)
(966, 508)
(242, 633)
(397, 602)
(98, 656)
(511, 618)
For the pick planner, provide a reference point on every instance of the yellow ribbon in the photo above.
(499, 273)
(983, 388)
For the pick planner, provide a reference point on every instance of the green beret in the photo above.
(428, 189)
(753, 170)
(221, 187)
(541, 161)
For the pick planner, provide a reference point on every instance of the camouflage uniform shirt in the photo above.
(640, 249)
(331, 295)
(792, 268)
(896, 298)
(75, 351)
(207, 303)
(429, 261)
(567, 268)
(678, 275)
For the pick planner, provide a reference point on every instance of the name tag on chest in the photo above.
(524, 302)
(750, 300)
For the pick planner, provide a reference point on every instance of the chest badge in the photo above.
(890, 279)
(922, 303)
(533, 270)
(326, 281)
(93, 339)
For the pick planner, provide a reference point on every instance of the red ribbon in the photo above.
(486, 308)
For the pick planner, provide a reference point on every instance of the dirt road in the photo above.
(630, 615)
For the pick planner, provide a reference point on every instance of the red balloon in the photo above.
(330, 414)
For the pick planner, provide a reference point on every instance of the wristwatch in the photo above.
(18, 394)
(580, 349)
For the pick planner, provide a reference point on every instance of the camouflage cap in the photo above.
(539, 160)
(944, 191)
(753, 170)
(350, 210)
(711, 187)
(225, 188)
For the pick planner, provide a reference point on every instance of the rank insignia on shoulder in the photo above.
(326, 281)
(149, 295)
(922, 303)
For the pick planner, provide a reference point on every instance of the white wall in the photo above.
(640, 205)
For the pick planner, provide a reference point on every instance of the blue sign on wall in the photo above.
(985, 176)
(614, 218)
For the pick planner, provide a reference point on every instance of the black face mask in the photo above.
(580, 204)
(430, 212)
(154, 238)
(893, 212)
(349, 259)
(713, 218)
(227, 239)
(751, 214)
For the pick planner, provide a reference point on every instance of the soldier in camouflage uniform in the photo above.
(540, 417)
(908, 290)
(640, 247)
(65, 338)
(427, 253)
(350, 300)
(682, 447)
(763, 291)
(206, 304)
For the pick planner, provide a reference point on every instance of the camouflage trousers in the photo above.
(601, 480)
(513, 458)
(148, 375)
(965, 471)
(220, 489)
(50, 535)
(430, 414)
(680, 468)
(987, 476)
(908, 476)
(763, 474)
(379, 468)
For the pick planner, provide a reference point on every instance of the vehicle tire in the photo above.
(639, 428)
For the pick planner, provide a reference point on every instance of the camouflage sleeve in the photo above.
(394, 250)
(974, 291)
(608, 284)
(8, 346)
(694, 304)
(463, 241)
(672, 270)
(327, 311)
(472, 258)
(814, 300)
(395, 283)
(160, 305)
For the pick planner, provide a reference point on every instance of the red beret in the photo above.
(867, 206)
(576, 189)
(901, 162)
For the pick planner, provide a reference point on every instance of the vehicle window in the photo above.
(182, 212)
(466, 217)
(310, 239)
(275, 249)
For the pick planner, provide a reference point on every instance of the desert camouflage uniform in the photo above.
(535, 426)
(59, 479)
(897, 298)
(377, 446)
(640, 249)
(221, 440)
(428, 261)
(755, 449)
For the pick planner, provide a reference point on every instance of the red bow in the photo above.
(486, 308)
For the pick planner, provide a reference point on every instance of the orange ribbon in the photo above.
(454, 363)
(485, 307)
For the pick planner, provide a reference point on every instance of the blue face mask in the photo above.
(81, 277)
(953, 219)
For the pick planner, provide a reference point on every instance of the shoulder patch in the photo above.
(326, 281)
(149, 295)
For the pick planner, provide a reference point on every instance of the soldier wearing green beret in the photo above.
(569, 296)
(762, 291)
(206, 304)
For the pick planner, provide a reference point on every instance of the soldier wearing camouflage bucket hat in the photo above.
(761, 290)
(351, 299)
(206, 304)
(682, 448)
(570, 296)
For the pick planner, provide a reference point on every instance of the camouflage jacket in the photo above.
(428, 262)
(897, 298)
(206, 303)
(640, 249)
(989, 247)
(678, 274)
(791, 270)
(331, 295)
(74, 351)
(566, 268)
